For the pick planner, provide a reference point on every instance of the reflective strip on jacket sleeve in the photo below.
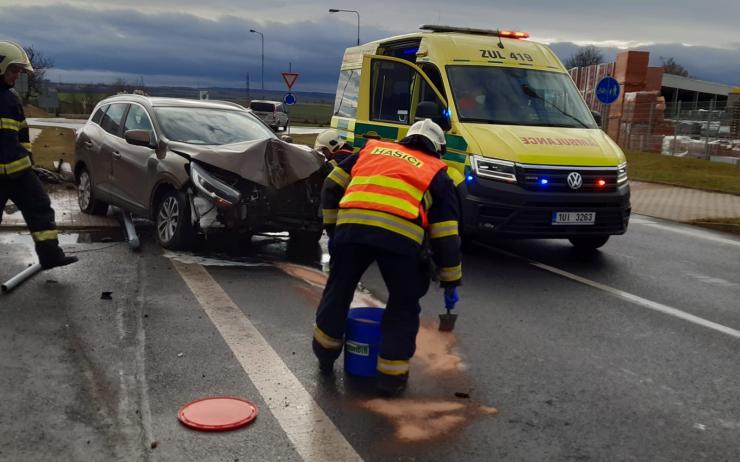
(16, 166)
(393, 367)
(340, 177)
(26, 146)
(48, 235)
(330, 216)
(383, 220)
(450, 274)
(10, 124)
(443, 229)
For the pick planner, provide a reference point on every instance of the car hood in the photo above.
(269, 162)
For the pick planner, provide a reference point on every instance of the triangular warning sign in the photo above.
(290, 79)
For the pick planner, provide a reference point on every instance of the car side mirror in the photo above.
(597, 117)
(287, 138)
(432, 110)
(139, 138)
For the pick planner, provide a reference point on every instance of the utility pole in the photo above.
(262, 40)
(334, 10)
(249, 98)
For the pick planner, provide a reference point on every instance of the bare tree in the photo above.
(670, 66)
(40, 63)
(585, 56)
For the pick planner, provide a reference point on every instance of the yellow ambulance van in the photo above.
(525, 151)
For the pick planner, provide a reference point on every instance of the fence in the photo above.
(702, 130)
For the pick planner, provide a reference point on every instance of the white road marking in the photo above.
(685, 231)
(313, 434)
(665, 309)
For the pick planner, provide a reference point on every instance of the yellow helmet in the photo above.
(12, 53)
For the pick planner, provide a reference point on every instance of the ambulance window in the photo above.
(427, 94)
(345, 104)
(391, 91)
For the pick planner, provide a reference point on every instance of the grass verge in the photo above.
(53, 144)
(689, 173)
(728, 225)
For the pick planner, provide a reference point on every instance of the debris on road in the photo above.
(106, 296)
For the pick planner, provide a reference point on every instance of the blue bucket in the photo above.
(362, 341)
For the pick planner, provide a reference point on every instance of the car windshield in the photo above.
(206, 126)
(509, 96)
(262, 107)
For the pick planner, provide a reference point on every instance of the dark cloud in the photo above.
(187, 48)
(712, 64)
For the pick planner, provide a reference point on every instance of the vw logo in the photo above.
(575, 181)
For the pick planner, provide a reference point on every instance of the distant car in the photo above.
(187, 164)
(272, 113)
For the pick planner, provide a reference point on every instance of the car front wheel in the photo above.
(86, 196)
(174, 227)
(588, 242)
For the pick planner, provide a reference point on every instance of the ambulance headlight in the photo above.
(622, 173)
(494, 169)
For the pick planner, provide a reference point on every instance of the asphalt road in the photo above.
(629, 353)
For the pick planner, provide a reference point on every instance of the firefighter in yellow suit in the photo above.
(382, 205)
(18, 182)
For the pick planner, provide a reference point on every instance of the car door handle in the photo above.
(116, 155)
(88, 144)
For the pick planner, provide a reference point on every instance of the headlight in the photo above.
(216, 190)
(495, 169)
(622, 173)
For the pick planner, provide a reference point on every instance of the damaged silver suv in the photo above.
(190, 165)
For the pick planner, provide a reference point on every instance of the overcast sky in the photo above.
(208, 43)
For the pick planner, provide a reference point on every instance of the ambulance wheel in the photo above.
(86, 195)
(588, 242)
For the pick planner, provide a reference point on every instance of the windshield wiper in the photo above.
(533, 94)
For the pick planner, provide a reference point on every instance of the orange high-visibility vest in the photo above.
(391, 178)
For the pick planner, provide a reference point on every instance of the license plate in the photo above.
(573, 218)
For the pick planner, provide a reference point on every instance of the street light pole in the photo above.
(262, 40)
(334, 10)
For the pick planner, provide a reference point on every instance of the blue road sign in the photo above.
(607, 90)
(289, 99)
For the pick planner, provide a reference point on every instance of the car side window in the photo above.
(112, 119)
(99, 114)
(137, 119)
(391, 92)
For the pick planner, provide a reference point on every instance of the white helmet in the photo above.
(430, 131)
(12, 53)
(329, 139)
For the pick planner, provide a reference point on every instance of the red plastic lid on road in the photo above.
(218, 413)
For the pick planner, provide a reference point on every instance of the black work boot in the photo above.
(326, 363)
(391, 386)
(52, 256)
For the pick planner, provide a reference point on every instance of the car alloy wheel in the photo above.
(84, 190)
(168, 219)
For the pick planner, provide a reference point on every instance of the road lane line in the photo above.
(625, 295)
(313, 434)
(686, 232)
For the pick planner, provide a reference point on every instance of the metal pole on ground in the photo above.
(20, 278)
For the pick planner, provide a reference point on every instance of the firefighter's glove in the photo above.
(451, 297)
